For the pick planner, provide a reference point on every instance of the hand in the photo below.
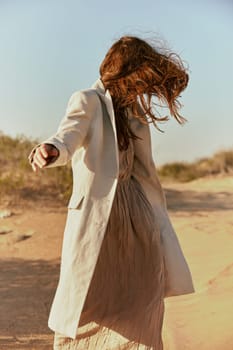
(43, 155)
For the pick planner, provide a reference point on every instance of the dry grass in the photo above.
(18, 181)
(219, 163)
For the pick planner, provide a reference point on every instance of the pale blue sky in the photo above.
(50, 48)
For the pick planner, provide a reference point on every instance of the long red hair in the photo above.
(134, 71)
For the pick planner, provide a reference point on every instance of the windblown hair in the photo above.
(134, 72)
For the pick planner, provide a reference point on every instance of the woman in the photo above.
(120, 255)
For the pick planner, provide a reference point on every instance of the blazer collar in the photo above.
(105, 94)
(107, 99)
(99, 86)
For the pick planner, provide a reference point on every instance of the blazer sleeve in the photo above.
(73, 128)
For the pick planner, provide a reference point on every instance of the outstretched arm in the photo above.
(72, 131)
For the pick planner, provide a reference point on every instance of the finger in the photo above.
(39, 159)
(36, 164)
(34, 167)
(30, 157)
(44, 151)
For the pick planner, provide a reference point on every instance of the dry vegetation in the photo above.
(220, 163)
(19, 183)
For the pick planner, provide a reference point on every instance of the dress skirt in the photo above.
(124, 307)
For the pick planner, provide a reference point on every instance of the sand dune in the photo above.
(204, 320)
(202, 213)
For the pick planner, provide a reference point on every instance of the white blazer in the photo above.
(87, 137)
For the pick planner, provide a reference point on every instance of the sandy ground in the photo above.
(202, 214)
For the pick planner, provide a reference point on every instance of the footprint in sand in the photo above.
(5, 230)
(8, 236)
(22, 237)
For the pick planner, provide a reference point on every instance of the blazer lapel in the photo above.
(107, 99)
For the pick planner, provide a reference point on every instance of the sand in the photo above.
(202, 214)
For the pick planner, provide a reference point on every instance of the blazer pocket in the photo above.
(76, 201)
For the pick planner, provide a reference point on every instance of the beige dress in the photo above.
(124, 307)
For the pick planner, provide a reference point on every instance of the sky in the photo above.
(51, 48)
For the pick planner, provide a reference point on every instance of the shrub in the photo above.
(221, 162)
